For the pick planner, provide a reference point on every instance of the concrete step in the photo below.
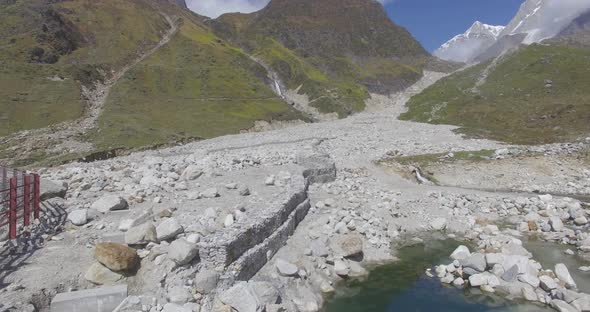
(105, 299)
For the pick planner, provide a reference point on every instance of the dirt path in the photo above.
(67, 137)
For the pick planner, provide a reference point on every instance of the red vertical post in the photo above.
(4, 185)
(12, 211)
(27, 200)
(36, 195)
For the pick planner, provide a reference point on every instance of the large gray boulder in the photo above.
(179, 295)
(169, 229)
(109, 203)
(266, 292)
(563, 275)
(141, 234)
(49, 189)
(182, 251)
(476, 261)
(100, 275)
(556, 224)
(562, 306)
(478, 280)
(242, 298)
(341, 268)
(522, 262)
(319, 247)
(206, 281)
(286, 268)
(191, 173)
(78, 217)
(460, 253)
(547, 283)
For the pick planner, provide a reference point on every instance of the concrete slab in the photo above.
(105, 299)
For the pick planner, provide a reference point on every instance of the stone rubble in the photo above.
(274, 221)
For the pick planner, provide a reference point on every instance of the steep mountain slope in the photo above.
(537, 94)
(535, 21)
(465, 47)
(578, 30)
(48, 53)
(82, 60)
(196, 86)
(542, 19)
(333, 51)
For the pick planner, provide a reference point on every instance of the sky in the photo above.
(432, 22)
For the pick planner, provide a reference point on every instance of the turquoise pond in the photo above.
(403, 286)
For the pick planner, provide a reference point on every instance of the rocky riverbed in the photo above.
(269, 221)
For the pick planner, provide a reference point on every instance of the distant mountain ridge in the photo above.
(465, 47)
(536, 20)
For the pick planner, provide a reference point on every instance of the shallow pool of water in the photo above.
(549, 254)
(403, 286)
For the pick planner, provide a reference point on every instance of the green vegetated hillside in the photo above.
(197, 85)
(334, 51)
(538, 94)
(209, 80)
(48, 49)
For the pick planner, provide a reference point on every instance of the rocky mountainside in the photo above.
(333, 52)
(465, 47)
(65, 60)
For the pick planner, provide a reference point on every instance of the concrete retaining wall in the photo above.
(253, 260)
(243, 252)
(227, 246)
(104, 299)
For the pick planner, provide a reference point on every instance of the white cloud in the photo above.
(214, 8)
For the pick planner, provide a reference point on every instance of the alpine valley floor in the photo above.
(277, 220)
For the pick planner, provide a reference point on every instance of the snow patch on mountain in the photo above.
(465, 47)
(543, 19)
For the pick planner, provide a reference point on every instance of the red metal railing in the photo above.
(19, 199)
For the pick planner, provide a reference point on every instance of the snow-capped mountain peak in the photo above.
(481, 28)
(466, 46)
(536, 20)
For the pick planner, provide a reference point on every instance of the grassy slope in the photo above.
(513, 104)
(327, 93)
(337, 51)
(28, 99)
(195, 86)
(344, 87)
